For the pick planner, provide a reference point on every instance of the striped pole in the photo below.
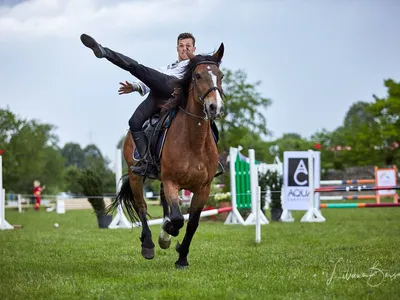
(358, 205)
(355, 188)
(350, 181)
(359, 197)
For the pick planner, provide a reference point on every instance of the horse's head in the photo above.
(206, 83)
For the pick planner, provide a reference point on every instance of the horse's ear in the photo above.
(220, 52)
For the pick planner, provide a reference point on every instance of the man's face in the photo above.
(184, 44)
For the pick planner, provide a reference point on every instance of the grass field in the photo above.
(293, 260)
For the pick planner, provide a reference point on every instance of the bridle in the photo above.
(202, 97)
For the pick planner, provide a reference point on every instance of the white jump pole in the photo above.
(3, 223)
(120, 220)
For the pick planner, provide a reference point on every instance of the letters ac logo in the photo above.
(298, 172)
(301, 169)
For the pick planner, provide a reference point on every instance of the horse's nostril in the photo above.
(213, 108)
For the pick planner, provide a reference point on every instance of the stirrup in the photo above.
(149, 169)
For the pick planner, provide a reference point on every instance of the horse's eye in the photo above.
(198, 76)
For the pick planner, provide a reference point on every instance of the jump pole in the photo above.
(358, 205)
(349, 181)
(359, 188)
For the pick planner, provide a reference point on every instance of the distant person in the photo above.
(37, 191)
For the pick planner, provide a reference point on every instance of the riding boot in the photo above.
(99, 51)
(91, 43)
(144, 164)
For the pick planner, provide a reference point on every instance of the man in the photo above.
(156, 83)
(37, 191)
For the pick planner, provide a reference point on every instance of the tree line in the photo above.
(369, 135)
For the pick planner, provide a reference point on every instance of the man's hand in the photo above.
(126, 88)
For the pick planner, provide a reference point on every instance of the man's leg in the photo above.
(144, 111)
(154, 79)
(37, 204)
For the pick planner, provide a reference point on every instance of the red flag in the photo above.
(1, 152)
(317, 146)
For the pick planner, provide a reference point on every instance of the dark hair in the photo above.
(181, 86)
(186, 35)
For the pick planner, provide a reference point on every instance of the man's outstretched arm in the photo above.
(128, 87)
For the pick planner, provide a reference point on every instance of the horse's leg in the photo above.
(198, 201)
(164, 240)
(176, 219)
(136, 184)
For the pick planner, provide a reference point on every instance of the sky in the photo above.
(314, 58)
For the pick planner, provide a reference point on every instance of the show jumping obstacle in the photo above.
(244, 184)
(362, 188)
(381, 175)
(305, 194)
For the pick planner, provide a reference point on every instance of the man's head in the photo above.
(185, 42)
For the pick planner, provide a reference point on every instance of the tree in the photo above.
(93, 187)
(244, 113)
(31, 153)
(74, 155)
(386, 112)
(71, 183)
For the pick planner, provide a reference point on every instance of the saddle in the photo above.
(155, 130)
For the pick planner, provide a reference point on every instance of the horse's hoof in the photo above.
(148, 253)
(181, 266)
(163, 243)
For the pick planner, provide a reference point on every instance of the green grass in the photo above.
(293, 260)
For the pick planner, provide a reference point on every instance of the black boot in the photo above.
(144, 166)
(91, 43)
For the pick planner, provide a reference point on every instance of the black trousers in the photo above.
(159, 83)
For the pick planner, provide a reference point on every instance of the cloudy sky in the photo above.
(313, 57)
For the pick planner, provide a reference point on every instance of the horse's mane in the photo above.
(181, 86)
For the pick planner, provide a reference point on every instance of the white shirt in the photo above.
(175, 69)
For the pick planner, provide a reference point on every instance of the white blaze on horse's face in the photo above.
(215, 104)
(219, 98)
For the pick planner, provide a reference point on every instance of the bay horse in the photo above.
(189, 157)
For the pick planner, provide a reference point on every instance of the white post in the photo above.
(253, 190)
(258, 223)
(234, 217)
(313, 214)
(3, 223)
(60, 204)
(120, 220)
(19, 199)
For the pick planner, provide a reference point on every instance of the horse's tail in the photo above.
(125, 198)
